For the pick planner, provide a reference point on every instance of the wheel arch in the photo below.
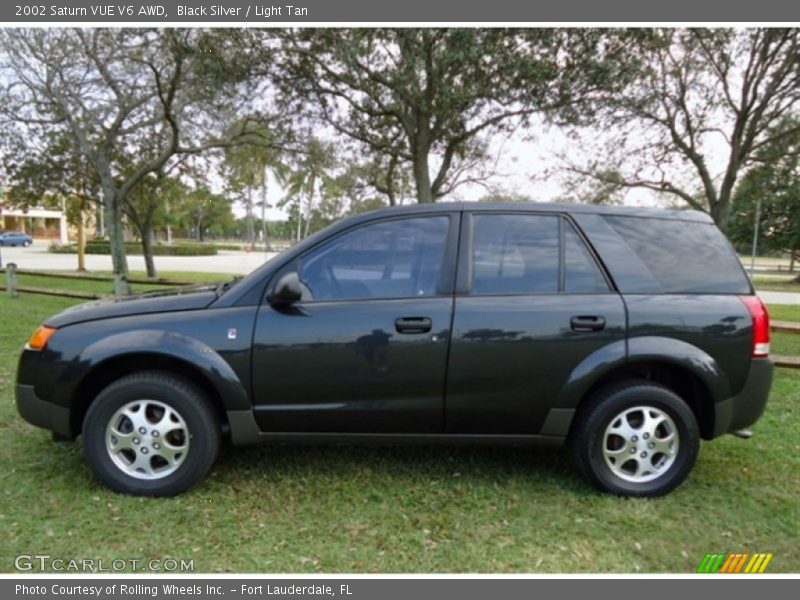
(683, 368)
(116, 356)
(112, 369)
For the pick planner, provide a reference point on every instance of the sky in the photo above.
(528, 165)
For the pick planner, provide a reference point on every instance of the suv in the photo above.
(628, 333)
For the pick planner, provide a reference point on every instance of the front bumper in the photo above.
(42, 413)
(745, 408)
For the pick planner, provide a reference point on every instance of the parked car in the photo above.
(629, 334)
(15, 238)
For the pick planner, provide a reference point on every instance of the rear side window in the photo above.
(531, 254)
(684, 257)
(515, 254)
(581, 273)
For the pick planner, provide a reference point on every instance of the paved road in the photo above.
(224, 262)
(780, 297)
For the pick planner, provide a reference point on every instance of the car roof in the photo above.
(539, 207)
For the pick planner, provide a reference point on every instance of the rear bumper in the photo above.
(745, 408)
(42, 413)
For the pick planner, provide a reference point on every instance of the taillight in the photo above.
(758, 311)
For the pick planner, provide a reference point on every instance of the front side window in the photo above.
(390, 259)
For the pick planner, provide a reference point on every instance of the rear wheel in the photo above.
(636, 439)
(151, 434)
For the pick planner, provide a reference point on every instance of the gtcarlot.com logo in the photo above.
(46, 562)
(735, 562)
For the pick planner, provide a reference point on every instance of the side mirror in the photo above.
(287, 291)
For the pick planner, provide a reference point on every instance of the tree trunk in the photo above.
(265, 231)
(299, 220)
(81, 237)
(114, 228)
(721, 212)
(200, 229)
(250, 228)
(147, 249)
(308, 213)
(422, 178)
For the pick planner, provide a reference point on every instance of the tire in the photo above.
(656, 453)
(179, 445)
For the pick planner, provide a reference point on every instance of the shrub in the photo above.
(57, 248)
(135, 249)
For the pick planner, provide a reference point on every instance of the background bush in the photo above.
(134, 248)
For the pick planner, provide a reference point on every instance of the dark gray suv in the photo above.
(630, 334)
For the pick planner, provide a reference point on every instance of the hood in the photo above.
(187, 298)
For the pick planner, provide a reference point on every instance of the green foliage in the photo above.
(686, 92)
(407, 94)
(202, 211)
(777, 183)
(126, 100)
(134, 248)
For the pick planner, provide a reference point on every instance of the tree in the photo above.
(104, 88)
(692, 93)
(427, 96)
(201, 208)
(248, 164)
(310, 171)
(147, 205)
(55, 175)
(776, 183)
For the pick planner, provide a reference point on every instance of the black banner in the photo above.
(408, 11)
(386, 589)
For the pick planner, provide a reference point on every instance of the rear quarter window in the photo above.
(684, 257)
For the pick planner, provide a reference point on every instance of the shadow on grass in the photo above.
(478, 464)
(551, 468)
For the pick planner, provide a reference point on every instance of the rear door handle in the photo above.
(413, 325)
(587, 323)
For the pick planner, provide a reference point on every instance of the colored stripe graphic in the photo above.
(735, 562)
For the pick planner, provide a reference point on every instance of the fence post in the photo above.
(120, 285)
(11, 280)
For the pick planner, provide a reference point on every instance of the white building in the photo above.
(39, 223)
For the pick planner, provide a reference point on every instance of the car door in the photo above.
(365, 350)
(531, 304)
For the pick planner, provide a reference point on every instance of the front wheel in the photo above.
(636, 439)
(151, 434)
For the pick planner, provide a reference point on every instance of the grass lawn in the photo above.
(784, 312)
(106, 287)
(776, 285)
(408, 509)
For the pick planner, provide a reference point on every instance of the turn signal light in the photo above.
(39, 338)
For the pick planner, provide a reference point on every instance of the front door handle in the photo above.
(587, 323)
(413, 325)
